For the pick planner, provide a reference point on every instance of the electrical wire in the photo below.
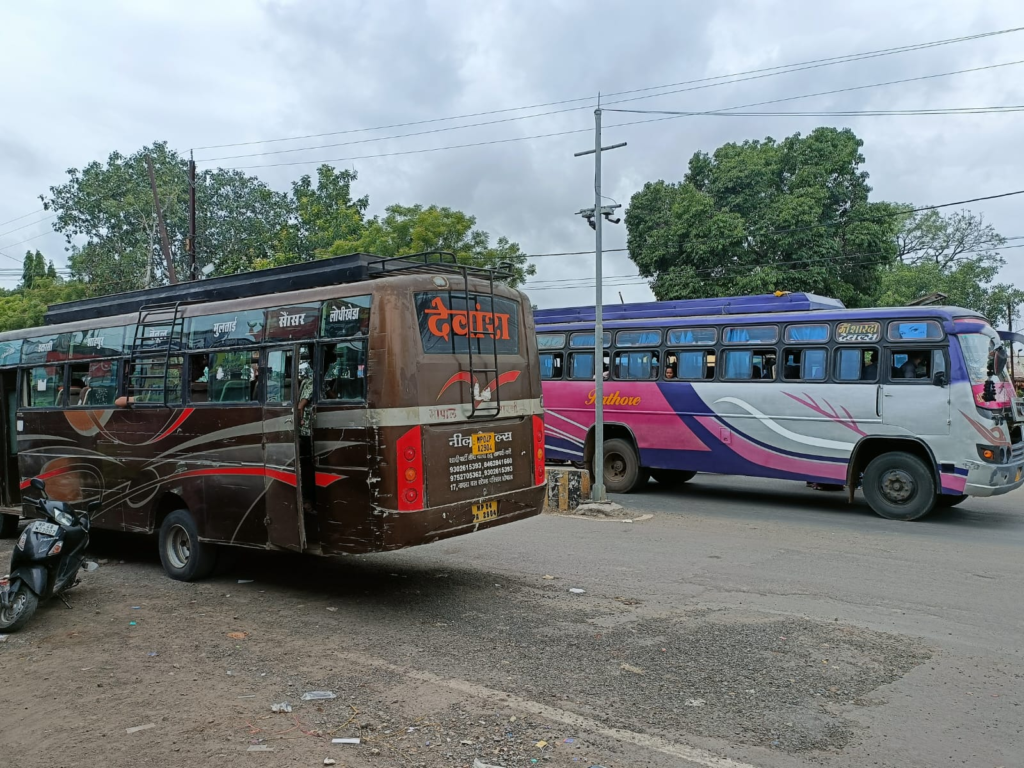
(776, 70)
(26, 226)
(621, 125)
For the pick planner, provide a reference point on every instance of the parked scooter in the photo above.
(45, 560)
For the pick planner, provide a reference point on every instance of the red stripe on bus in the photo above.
(45, 476)
(177, 423)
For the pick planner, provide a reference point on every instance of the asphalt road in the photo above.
(749, 621)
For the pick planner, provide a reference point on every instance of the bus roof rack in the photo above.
(728, 305)
(352, 268)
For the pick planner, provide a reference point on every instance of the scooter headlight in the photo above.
(23, 539)
(63, 518)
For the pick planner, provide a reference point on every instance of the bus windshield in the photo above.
(984, 355)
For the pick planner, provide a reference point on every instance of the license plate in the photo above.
(46, 529)
(483, 443)
(488, 510)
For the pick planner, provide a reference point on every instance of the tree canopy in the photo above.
(107, 214)
(956, 255)
(763, 216)
(414, 229)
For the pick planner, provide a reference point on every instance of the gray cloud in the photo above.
(118, 75)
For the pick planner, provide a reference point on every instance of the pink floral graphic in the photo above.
(832, 414)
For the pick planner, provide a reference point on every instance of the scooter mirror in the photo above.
(38, 484)
(92, 507)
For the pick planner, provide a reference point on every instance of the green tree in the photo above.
(321, 214)
(404, 230)
(764, 216)
(25, 307)
(111, 206)
(956, 255)
(33, 268)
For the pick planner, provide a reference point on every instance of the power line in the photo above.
(840, 113)
(778, 69)
(621, 125)
(19, 218)
(29, 239)
(711, 113)
(26, 226)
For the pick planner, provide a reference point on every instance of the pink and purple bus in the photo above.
(911, 404)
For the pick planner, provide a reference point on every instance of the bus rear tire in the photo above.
(9, 526)
(622, 470)
(672, 477)
(945, 500)
(899, 486)
(183, 555)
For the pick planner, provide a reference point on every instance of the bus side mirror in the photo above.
(940, 379)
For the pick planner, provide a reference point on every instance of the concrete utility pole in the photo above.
(164, 242)
(193, 271)
(594, 216)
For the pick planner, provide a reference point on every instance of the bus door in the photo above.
(281, 447)
(909, 396)
(10, 492)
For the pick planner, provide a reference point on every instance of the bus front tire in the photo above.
(184, 556)
(622, 470)
(945, 500)
(671, 477)
(9, 526)
(899, 486)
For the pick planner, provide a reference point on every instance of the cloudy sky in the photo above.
(82, 79)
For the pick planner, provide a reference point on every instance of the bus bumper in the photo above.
(994, 481)
(399, 530)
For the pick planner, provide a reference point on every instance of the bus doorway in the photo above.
(10, 482)
(281, 448)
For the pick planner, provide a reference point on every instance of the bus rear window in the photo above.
(913, 330)
(448, 326)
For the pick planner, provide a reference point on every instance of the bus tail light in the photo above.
(411, 485)
(539, 474)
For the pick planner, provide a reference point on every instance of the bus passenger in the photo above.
(912, 369)
(870, 370)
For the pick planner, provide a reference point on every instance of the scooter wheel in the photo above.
(23, 605)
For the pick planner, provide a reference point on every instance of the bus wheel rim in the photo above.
(898, 486)
(615, 466)
(179, 547)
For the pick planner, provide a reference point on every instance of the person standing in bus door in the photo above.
(305, 409)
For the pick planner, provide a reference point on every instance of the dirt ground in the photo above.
(432, 664)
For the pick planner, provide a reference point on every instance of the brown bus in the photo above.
(348, 405)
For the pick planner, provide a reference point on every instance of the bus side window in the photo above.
(636, 365)
(43, 387)
(856, 364)
(804, 364)
(279, 376)
(551, 366)
(343, 371)
(93, 383)
(910, 364)
(199, 378)
(690, 364)
(749, 364)
(581, 366)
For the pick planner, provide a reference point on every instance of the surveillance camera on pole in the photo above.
(594, 216)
